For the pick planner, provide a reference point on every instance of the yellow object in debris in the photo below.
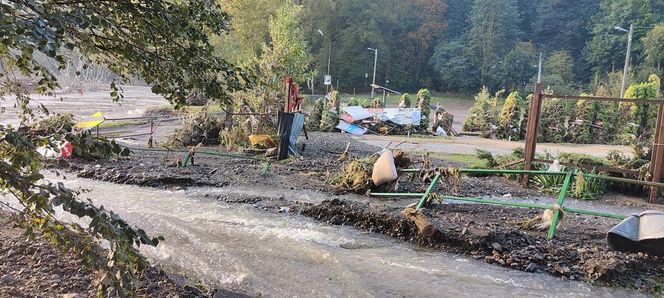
(88, 124)
(262, 141)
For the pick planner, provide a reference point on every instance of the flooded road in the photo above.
(240, 247)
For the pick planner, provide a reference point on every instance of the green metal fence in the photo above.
(557, 207)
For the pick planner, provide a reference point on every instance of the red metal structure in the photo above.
(293, 99)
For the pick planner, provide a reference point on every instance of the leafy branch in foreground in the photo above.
(165, 43)
(20, 164)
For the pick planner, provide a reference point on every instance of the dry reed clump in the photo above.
(200, 128)
(355, 176)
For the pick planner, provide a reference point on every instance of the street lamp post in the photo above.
(539, 69)
(630, 33)
(329, 57)
(374, 70)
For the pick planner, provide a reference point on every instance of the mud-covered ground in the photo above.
(493, 234)
(35, 268)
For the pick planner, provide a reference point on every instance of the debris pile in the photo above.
(402, 160)
(198, 128)
(330, 114)
(443, 123)
(356, 175)
(451, 175)
(358, 120)
(378, 171)
(59, 129)
(234, 138)
(56, 123)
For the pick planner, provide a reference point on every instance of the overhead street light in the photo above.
(374, 70)
(621, 29)
(630, 34)
(329, 56)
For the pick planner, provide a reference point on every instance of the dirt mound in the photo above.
(486, 234)
(143, 175)
(338, 212)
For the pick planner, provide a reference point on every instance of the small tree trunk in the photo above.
(228, 119)
(424, 225)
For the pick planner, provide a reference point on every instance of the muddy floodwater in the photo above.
(241, 247)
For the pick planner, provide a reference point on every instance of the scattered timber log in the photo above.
(424, 225)
(346, 154)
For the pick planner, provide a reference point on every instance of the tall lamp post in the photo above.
(329, 57)
(374, 71)
(630, 33)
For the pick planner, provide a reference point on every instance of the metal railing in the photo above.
(557, 207)
(154, 122)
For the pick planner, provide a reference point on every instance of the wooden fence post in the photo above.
(657, 157)
(531, 131)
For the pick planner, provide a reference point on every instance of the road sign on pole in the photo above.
(328, 80)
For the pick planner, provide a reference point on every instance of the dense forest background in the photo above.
(447, 45)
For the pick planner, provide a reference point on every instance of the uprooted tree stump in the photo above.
(424, 225)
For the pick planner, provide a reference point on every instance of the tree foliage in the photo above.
(404, 32)
(479, 114)
(583, 29)
(285, 55)
(606, 48)
(510, 119)
(424, 103)
(653, 46)
(20, 166)
(558, 72)
(517, 66)
(492, 34)
(580, 121)
(132, 38)
(165, 43)
(457, 45)
(250, 28)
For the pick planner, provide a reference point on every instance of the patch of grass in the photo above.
(469, 160)
(211, 109)
(164, 110)
(121, 123)
(167, 110)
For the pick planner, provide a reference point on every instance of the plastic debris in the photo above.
(643, 232)
(384, 170)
